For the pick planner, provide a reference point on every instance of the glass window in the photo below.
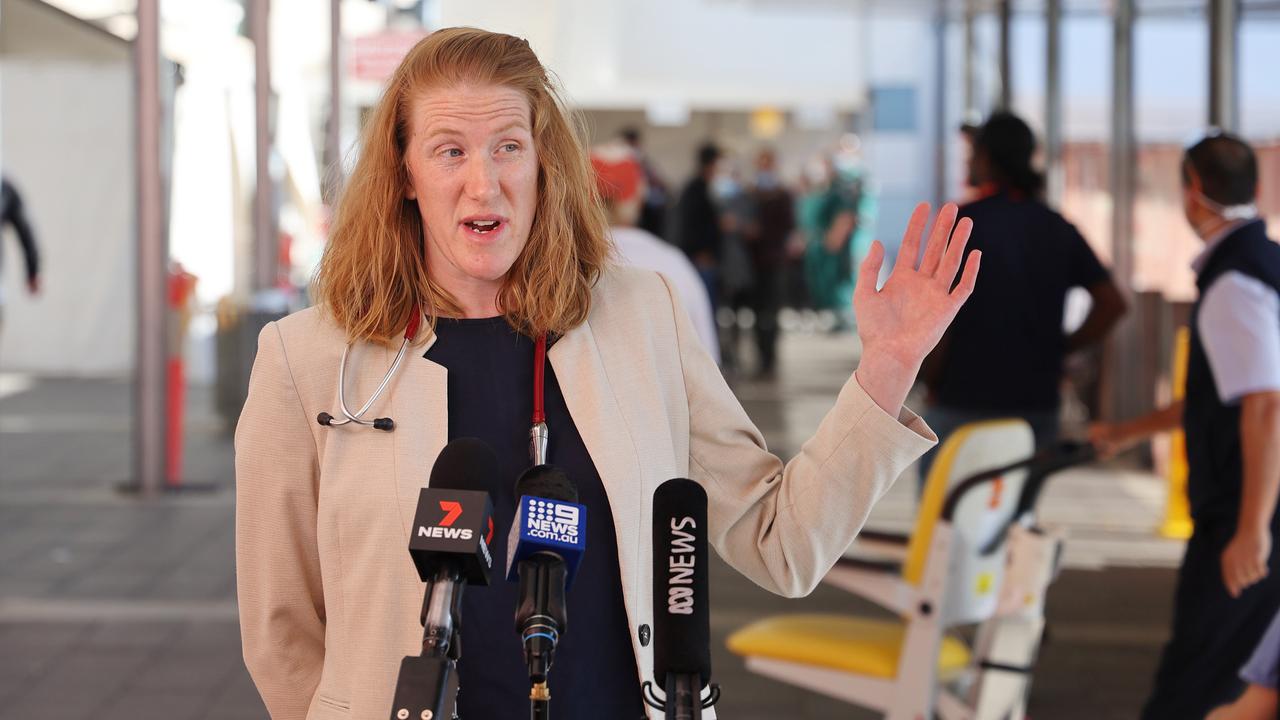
(1171, 90)
(1260, 102)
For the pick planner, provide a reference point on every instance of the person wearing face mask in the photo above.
(698, 221)
(767, 245)
(1229, 583)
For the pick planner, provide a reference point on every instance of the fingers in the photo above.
(909, 253)
(1239, 574)
(955, 251)
(869, 273)
(938, 239)
(969, 279)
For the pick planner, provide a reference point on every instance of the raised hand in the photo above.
(901, 322)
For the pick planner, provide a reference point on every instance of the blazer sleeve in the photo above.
(785, 525)
(282, 612)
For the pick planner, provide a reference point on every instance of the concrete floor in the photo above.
(114, 607)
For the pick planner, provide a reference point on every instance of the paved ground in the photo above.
(115, 607)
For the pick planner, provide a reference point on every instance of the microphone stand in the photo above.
(684, 697)
(429, 682)
(542, 578)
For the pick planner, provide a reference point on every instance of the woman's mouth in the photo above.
(483, 225)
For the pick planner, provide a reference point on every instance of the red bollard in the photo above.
(182, 286)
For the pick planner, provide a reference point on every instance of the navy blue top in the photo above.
(491, 398)
(1215, 459)
(1004, 351)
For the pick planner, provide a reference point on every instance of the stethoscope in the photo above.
(539, 433)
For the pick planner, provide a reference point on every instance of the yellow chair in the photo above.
(951, 575)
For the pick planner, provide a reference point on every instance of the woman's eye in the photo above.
(511, 147)
(453, 153)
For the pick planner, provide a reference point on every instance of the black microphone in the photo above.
(450, 545)
(544, 550)
(682, 617)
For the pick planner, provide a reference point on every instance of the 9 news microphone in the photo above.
(547, 541)
(452, 534)
(682, 618)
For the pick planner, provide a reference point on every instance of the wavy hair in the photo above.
(374, 273)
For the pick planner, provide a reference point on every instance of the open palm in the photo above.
(902, 321)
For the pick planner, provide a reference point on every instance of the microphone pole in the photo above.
(450, 541)
(682, 616)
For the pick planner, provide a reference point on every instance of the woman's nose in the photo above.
(482, 179)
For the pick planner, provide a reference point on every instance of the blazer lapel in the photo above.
(420, 403)
(590, 398)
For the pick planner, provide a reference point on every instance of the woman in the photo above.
(472, 202)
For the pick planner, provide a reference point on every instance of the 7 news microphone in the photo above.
(682, 618)
(545, 547)
(450, 545)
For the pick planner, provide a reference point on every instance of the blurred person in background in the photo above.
(13, 214)
(836, 217)
(1229, 584)
(736, 278)
(767, 245)
(653, 212)
(472, 210)
(620, 179)
(699, 223)
(1005, 354)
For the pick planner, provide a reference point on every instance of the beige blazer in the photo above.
(329, 598)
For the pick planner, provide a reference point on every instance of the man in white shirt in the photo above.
(620, 178)
(1229, 584)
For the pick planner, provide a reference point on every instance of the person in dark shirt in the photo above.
(1003, 356)
(13, 214)
(767, 243)
(699, 218)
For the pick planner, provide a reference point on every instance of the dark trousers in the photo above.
(1213, 634)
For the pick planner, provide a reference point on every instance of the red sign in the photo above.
(375, 57)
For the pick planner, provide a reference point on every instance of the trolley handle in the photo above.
(1039, 466)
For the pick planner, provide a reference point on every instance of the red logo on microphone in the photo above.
(451, 512)
(488, 539)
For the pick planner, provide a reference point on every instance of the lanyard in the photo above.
(539, 434)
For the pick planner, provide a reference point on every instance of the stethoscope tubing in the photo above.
(358, 416)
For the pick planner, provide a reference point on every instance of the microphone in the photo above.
(450, 545)
(682, 617)
(544, 551)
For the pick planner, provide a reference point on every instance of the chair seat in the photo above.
(842, 642)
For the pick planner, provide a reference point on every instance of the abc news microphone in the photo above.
(544, 550)
(682, 617)
(450, 546)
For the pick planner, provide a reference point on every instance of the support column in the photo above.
(334, 171)
(1123, 395)
(970, 109)
(940, 122)
(1005, 10)
(265, 253)
(1224, 27)
(151, 375)
(1053, 103)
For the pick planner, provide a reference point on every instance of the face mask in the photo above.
(1247, 211)
(724, 187)
(1228, 213)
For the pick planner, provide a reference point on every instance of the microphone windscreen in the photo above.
(682, 618)
(547, 481)
(465, 464)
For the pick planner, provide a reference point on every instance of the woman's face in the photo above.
(473, 170)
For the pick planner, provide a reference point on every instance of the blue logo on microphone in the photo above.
(550, 520)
